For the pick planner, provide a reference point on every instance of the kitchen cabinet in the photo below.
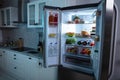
(35, 13)
(15, 65)
(24, 67)
(33, 66)
(2, 59)
(35, 71)
(7, 16)
(1, 54)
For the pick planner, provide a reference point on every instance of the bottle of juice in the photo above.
(56, 19)
(51, 18)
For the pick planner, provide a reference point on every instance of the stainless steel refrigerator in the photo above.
(79, 38)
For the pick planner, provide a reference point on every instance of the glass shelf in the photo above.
(79, 45)
(78, 55)
(80, 23)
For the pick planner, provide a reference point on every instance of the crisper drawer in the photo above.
(78, 61)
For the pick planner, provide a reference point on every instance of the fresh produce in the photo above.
(70, 41)
(85, 33)
(85, 51)
(79, 42)
(76, 19)
(70, 34)
(72, 50)
(84, 43)
(92, 43)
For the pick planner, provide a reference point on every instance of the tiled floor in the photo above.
(5, 76)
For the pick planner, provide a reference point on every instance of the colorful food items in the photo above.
(70, 34)
(92, 43)
(84, 33)
(85, 51)
(52, 35)
(70, 41)
(76, 19)
(72, 50)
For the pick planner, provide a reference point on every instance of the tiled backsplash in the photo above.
(30, 35)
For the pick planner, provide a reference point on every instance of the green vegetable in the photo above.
(70, 41)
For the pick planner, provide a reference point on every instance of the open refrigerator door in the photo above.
(51, 37)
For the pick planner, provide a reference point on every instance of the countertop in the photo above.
(35, 55)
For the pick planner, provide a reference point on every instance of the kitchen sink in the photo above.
(22, 49)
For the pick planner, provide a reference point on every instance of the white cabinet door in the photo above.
(33, 67)
(8, 15)
(35, 16)
(20, 61)
(2, 17)
(10, 63)
(15, 64)
(2, 59)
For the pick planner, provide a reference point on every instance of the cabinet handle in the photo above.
(15, 67)
(35, 23)
(3, 51)
(0, 55)
(30, 58)
(14, 54)
(40, 63)
(14, 58)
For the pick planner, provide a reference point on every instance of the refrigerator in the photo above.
(75, 38)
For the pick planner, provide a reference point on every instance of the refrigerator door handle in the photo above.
(112, 54)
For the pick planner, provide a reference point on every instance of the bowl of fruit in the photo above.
(70, 34)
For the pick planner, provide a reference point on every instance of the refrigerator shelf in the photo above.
(76, 45)
(85, 56)
(84, 65)
(81, 65)
(88, 37)
(78, 23)
(82, 68)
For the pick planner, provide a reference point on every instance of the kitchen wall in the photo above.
(30, 35)
(8, 3)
